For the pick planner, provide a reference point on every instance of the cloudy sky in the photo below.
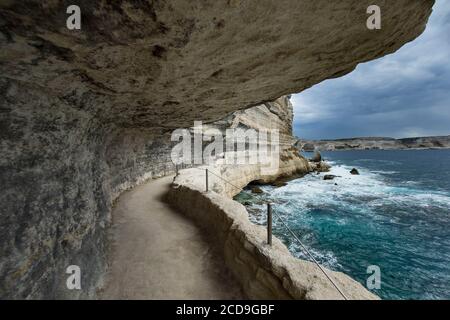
(406, 94)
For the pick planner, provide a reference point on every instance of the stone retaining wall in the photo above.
(265, 272)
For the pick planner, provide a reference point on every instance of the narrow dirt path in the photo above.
(158, 253)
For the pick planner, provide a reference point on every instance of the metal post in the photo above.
(269, 224)
(206, 180)
(176, 169)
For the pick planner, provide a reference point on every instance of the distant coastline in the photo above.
(375, 143)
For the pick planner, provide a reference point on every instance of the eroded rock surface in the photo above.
(86, 114)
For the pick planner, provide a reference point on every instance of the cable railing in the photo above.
(175, 167)
(311, 256)
(270, 211)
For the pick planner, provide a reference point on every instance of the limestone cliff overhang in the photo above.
(164, 63)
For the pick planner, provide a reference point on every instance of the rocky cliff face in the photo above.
(276, 115)
(438, 142)
(86, 114)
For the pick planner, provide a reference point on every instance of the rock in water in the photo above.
(354, 171)
(317, 157)
(329, 177)
(279, 184)
(257, 190)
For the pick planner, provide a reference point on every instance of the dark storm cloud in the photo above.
(401, 95)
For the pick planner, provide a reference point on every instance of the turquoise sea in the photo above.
(395, 214)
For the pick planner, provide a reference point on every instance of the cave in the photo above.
(87, 114)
